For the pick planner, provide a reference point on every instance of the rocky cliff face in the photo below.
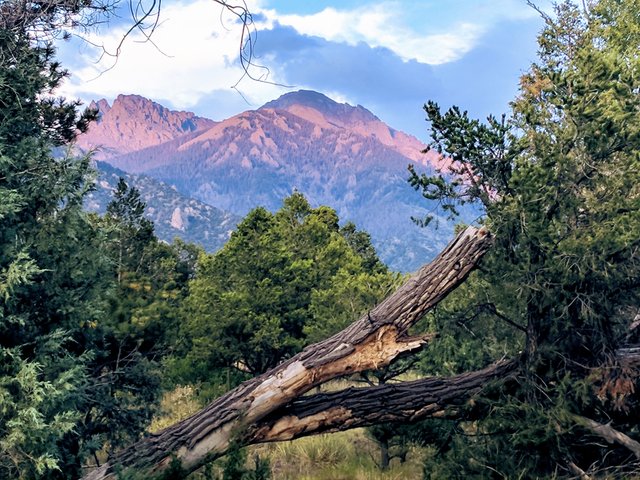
(336, 154)
(133, 123)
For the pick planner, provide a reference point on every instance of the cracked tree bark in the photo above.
(362, 407)
(371, 342)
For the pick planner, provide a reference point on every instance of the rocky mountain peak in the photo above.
(334, 153)
(339, 113)
(329, 114)
(133, 122)
(146, 111)
(102, 106)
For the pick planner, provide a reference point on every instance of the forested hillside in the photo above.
(514, 354)
(173, 214)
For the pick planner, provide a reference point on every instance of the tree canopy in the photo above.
(559, 182)
(282, 281)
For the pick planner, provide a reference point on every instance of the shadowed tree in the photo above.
(559, 183)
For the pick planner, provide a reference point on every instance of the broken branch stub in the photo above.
(371, 342)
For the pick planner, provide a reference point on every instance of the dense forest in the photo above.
(527, 369)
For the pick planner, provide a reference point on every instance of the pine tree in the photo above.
(131, 231)
(559, 183)
(49, 273)
(66, 388)
(281, 281)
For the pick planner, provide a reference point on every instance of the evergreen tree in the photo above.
(281, 281)
(49, 274)
(68, 388)
(559, 182)
(131, 231)
(151, 277)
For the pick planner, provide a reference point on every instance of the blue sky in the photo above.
(389, 56)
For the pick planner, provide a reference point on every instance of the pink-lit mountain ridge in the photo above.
(336, 154)
(133, 123)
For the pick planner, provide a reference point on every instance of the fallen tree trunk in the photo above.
(362, 407)
(371, 342)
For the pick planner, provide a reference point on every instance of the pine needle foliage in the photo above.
(73, 381)
(559, 180)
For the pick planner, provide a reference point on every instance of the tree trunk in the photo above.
(384, 454)
(362, 407)
(371, 342)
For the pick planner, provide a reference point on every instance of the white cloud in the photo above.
(431, 32)
(196, 54)
(385, 25)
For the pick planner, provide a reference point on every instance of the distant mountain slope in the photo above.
(173, 214)
(336, 154)
(134, 122)
(321, 110)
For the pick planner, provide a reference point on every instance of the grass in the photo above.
(350, 455)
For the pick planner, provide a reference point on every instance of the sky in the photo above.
(388, 56)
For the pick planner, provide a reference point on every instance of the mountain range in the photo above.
(334, 153)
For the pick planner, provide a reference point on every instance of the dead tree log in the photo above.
(362, 407)
(371, 342)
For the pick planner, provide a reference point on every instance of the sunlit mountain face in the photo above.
(334, 153)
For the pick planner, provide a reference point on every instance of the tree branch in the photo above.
(361, 407)
(609, 433)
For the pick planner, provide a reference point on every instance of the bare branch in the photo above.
(46, 20)
(609, 433)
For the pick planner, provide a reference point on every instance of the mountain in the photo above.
(134, 122)
(173, 214)
(319, 109)
(334, 153)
